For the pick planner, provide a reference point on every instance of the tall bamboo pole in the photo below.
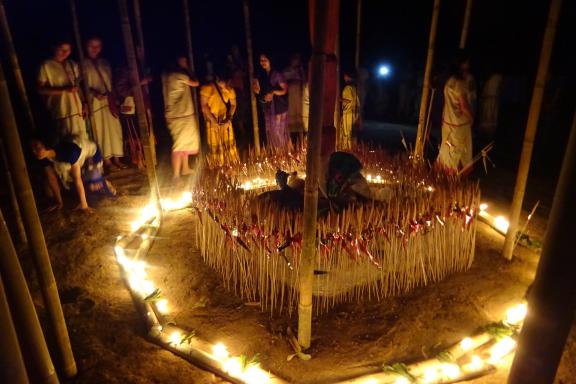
(12, 192)
(551, 300)
(13, 369)
(190, 52)
(358, 33)
(34, 229)
(147, 140)
(17, 72)
(84, 82)
(466, 24)
(310, 247)
(250, 53)
(142, 68)
(531, 127)
(419, 147)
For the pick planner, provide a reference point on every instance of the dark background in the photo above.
(504, 35)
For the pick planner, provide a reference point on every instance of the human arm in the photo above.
(52, 179)
(282, 91)
(76, 174)
(206, 109)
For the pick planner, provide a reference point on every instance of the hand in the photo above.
(268, 97)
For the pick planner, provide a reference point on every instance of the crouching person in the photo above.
(75, 162)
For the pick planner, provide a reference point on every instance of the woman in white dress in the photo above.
(107, 127)
(58, 81)
(179, 111)
(458, 117)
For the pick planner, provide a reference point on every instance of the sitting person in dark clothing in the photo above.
(71, 161)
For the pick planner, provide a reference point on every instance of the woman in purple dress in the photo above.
(272, 90)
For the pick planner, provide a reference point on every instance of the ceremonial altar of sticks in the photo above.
(419, 228)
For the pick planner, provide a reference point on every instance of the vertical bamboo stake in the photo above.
(34, 231)
(551, 301)
(142, 68)
(17, 72)
(419, 147)
(12, 192)
(147, 140)
(33, 227)
(188, 26)
(13, 369)
(309, 246)
(250, 58)
(358, 32)
(80, 49)
(466, 24)
(531, 127)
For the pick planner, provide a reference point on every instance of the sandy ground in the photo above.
(108, 337)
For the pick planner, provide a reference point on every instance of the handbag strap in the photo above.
(227, 104)
(95, 65)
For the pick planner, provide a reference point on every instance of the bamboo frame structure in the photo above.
(250, 59)
(17, 72)
(84, 83)
(142, 68)
(13, 200)
(13, 369)
(551, 300)
(190, 51)
(531, 128)
(465, 24)
(34, 231)
(147, 139)
(420, 138)
(358, 34)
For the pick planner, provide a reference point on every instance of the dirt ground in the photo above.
(354, 338)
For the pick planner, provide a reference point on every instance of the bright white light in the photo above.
(402, 380)
(384, 70)
(452, 371)
(483, 207)
(516, 314)
(146, 287)
(501, 349)
(369, 177)
(233, 366)
(220, 351)
(466, 344)
(175, 338)
(254, 375)
(430, 375)
(430, 189)
(476, 364)
(162, 306)
(370, 381)
(501, 224)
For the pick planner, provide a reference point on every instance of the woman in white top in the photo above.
(107, 128)
(58, 81)
(458, 117)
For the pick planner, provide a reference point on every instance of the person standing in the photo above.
(179, 111)
(107, 127)
(295, 77)
(58, 81)
(271, 89)
(350, 112)
(457, 117)
(218, 102)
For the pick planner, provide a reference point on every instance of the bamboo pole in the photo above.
(551, 301)
(358, 34)
(466, 24)
(190, 52)
(84, 82)
(419, 147)
(13, 201)
(147, 140)
(531, 127)
(13, 369)
(309, 246)
(25, 317)
(34, 231)
(17, 72)
(250, 53)
(142, 68)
